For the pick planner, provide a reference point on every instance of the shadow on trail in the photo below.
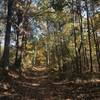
(35, 84)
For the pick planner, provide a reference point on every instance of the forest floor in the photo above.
(35, 84)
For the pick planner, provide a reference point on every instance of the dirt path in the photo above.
(36, 85)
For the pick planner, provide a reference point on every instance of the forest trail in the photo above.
(61, 34)
(35, 84)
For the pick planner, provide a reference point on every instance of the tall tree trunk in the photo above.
(18, 52)
(17, 48)
(81, 47)
(5, 57)
(89, 36)
(75, 43)
(95, 38)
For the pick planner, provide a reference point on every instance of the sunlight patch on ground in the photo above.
(39, 69)
(13, 74)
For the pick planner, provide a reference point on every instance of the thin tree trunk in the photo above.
(89, 36)
(35, 55)
(18, 47)
(75, 43)
(81, 47)
(47, 55)
(95, 38)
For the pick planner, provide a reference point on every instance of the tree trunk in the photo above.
(89, 36)
(81, 46)
(18, 47)
(47, 54)
(95, 38)
(5, 57)
(75, 43)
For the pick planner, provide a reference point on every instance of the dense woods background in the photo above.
(52, 41)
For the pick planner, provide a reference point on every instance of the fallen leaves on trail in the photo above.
(40, 69)
(33, 84)
(13, 74)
